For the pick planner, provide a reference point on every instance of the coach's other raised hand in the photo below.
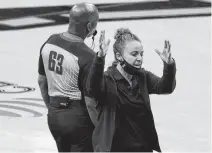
(166, 54)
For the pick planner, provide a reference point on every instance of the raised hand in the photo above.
(166, 54)
(103, 45)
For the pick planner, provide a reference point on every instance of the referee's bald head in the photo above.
(84, 14)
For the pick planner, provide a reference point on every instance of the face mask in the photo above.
(129, 68)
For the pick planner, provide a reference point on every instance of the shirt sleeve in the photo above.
(41, 69)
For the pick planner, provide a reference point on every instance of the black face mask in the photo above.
(129, 68)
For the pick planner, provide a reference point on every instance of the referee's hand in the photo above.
(103, 45)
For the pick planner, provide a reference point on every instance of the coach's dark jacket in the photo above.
(102, 86)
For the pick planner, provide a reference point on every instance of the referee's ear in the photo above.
(89, 29)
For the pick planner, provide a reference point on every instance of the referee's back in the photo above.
(65, 61)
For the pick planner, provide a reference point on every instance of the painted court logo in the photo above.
(6, 87)
(20, 107)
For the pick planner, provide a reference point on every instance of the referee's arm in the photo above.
(42, 81)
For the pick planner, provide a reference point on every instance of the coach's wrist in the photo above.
(99, 59)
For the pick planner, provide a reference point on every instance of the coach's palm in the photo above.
(103, 45)
(166, 54)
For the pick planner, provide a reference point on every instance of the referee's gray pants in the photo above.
(70, 125)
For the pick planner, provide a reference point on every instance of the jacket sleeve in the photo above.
(164, 85)
(95, 83)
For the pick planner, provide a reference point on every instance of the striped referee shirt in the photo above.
(65, 61)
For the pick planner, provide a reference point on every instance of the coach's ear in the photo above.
(118, 57)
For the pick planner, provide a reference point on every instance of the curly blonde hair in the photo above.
(122, 36)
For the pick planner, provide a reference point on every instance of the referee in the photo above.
(64, 63)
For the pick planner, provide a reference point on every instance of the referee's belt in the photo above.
(62, 102)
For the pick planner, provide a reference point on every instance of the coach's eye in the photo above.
(135, 53)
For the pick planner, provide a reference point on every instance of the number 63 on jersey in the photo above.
(55, 62)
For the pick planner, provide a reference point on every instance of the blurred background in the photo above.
(182, 119)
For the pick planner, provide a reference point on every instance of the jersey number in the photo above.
(55, 62)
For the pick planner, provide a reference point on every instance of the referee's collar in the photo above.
(71, 37)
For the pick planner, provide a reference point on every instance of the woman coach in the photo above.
(126, 121)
